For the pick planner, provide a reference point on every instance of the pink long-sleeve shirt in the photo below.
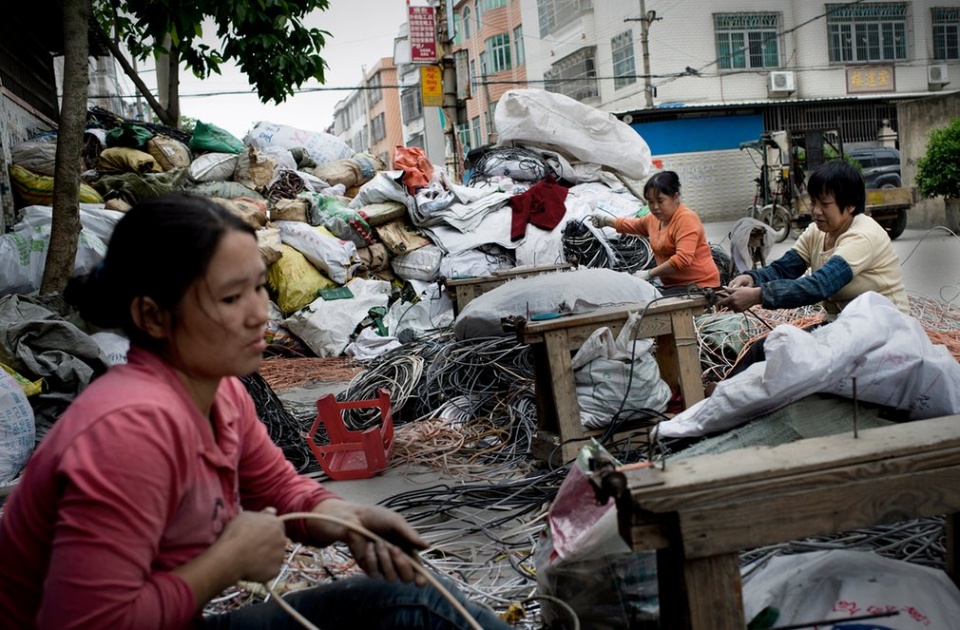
(126, 487)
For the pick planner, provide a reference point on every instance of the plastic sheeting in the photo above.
(840, 584)
(888, 353)
(556, 121)
(567, 291)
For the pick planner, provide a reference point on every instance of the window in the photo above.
(498, 53)
(747, 40)
(359, 141)
(411, 105)
(373, 86)
(490, 128)
(466, 22)
(475, 131)
(867, 32)
(518, 44)
(378, 128)
(416, 140)
(457, 29)
(483, 63)
(946, 33)
(555, 14)
(463, 135)
(624, 68)
(575, 75)
(489, 4)
(479, 10)
(473, 75)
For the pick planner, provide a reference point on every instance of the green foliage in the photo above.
(265, 38)
(938, 171)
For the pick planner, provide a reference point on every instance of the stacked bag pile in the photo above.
(354, 248)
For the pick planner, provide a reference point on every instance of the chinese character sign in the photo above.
(870, 79)
(431, 86)
(423, 34)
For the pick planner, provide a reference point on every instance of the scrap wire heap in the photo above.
(627, 252)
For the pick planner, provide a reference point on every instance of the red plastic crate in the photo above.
(352, 454)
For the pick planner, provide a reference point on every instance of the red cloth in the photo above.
(128, 485)
(417, 169)
(542, 205)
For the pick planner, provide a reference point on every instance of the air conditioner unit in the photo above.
(781, 82)
(937, 74)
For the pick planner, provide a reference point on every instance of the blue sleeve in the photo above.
(818, 286)
(788, 267)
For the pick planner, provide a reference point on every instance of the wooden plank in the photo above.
(715, 592)
(564, 391)
(532, 271)
(712, 471)
(533, 331)
(828, 507)
(688, 357)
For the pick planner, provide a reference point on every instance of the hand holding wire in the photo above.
(600, 221)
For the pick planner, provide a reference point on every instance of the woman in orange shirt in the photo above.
(676, 235)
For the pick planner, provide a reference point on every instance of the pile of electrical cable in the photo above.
(583, 248)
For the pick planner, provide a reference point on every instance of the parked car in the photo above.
(880, 166)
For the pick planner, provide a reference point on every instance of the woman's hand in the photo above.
(387, 560)
(743, 280)
(257, 543)
(600, 220)
(739, 299)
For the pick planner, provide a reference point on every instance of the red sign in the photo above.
(423, 34)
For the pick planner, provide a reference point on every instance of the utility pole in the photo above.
(449, 68)
(645, 20)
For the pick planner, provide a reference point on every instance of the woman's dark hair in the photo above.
(157, 250)
(842, 180)
(666, 182)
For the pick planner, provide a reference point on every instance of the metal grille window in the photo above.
(867, 32)
(624, 67)
(946, 33)
(378, 128)
(411, 105)
(497, 50)
(518, 44)
(747, 40)
(555, 14)
(575, 75)
(374, 87)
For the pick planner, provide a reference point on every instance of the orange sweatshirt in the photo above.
(682, 242)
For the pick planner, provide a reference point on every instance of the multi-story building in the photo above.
(490, 45)
(368, 119)
(722, 72)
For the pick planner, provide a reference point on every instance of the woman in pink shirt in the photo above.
(159, 487)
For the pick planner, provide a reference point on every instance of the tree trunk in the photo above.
(65, 227)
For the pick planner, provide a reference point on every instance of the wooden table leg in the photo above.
(699, 594)
(688, 357)
(564, 389)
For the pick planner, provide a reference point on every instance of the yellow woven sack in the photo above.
(295, 280)
(38, 189)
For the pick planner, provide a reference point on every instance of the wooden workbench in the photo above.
(463, 290)
(669, 321)
(699, 513)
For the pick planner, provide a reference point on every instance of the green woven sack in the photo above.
(212, 139)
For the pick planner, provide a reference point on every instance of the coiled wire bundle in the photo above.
(626, 252)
